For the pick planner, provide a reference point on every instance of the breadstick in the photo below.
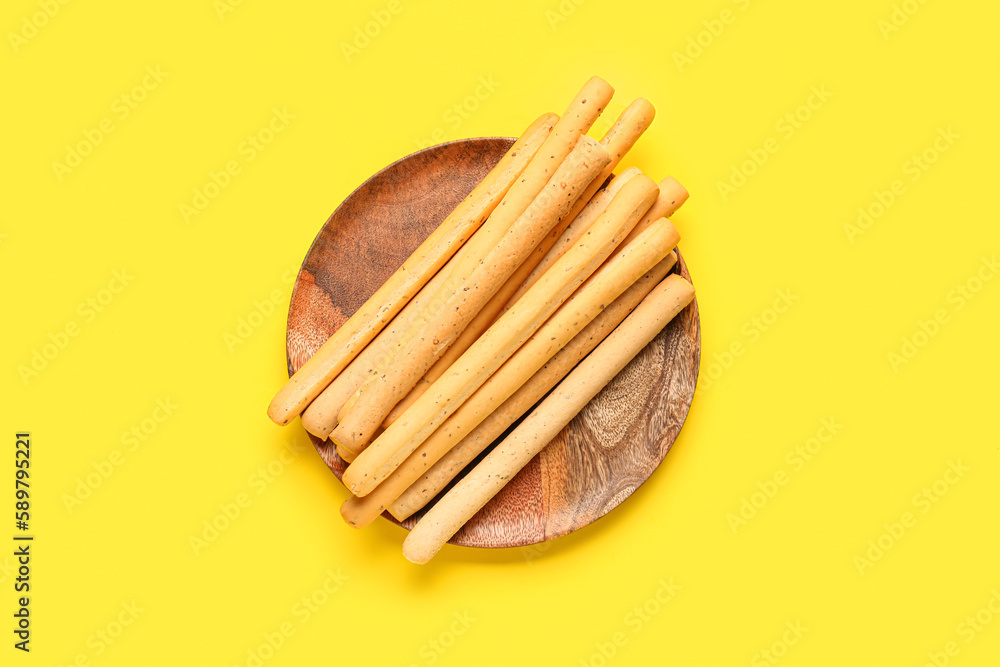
(469, 286)
(435, 479)
(632, 123)
(602, 288)
(502, 339)
(486, 316)
(484, 481)
(672, 196)
(338, 350)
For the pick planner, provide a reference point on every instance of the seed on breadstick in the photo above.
(502, 339)
(586, 303)
(438, 476)
(484, 481)
(469, 286)
(476, 328)
(359, 330)
(347, 454)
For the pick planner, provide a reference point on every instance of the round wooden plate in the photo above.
(601, 457)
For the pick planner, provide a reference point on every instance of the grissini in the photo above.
(439, 475)
(484, 481)
(586, 217)
(672, 197)
(629, 126)
(589, 300)
(359, 330)
(468, 287)
(502, 339)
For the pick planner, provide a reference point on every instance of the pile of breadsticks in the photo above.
(547, 275)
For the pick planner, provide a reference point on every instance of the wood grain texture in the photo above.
(601, 457)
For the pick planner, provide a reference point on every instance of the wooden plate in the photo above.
(601, 457)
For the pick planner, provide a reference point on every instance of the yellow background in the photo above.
(173, 333)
